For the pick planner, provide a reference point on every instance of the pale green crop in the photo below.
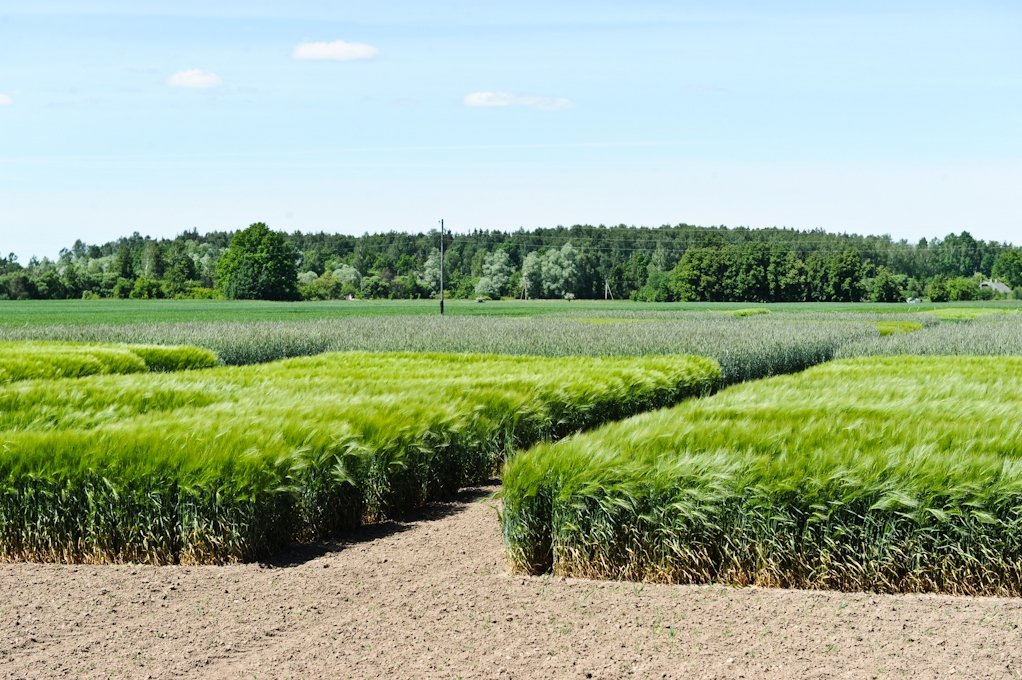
(882, 474)
(232, 463)
(27, 360)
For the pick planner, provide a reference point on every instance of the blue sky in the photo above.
(873, 117)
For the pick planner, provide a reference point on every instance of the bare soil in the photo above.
(431, 597)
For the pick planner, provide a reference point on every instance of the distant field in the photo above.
(747, 346)
(89, 312)
(748, 341)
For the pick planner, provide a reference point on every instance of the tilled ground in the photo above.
(432, 598)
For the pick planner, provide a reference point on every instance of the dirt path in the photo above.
(431, 597)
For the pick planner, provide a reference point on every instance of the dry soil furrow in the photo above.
(431, 598)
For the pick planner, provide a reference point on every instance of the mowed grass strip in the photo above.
(29, 360)
(895, 474)
(230, 464)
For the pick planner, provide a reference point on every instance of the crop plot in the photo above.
(41, 359)
(879, 474)
(229, 464)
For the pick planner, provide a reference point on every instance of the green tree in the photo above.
(745, 276)
(47, 282)
(146, 289)
(962, 288)
(698, 276)
(406, 287)
(628, 276)
(532, 275)
(349, 278)
(179, 274)
(122, 287)
(657, 287)
(846, 277)
(817, 279)
(496, 272)
(791, 281)
(125, 268)
(259, 264)
(937, 289)
(886, 287)
(17, 286)
(153, 263)
(375, 287)
(429, 277)
(1008, 267)
(959, 255)
(559, 270)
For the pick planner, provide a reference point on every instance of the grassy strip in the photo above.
(22, 313)
(750, 311)
(230, 464)
(895, 327)
(885, 474)
(970, 313)
(31, 360)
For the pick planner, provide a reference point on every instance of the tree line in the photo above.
(670, 263)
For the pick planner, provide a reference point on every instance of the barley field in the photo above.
(46, 359)
(888, 474)
(747, 347)
(232, 463)
(866, 447)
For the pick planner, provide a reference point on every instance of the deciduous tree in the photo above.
(259, 264)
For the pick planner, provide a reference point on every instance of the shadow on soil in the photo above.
(300, 554)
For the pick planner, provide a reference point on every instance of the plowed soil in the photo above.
(431, 597)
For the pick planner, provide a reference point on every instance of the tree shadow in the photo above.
(300, 554)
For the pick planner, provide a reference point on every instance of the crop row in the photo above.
(230, 464)
(877, 474)
(29, 360)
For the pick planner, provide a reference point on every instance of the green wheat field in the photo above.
(853, 447)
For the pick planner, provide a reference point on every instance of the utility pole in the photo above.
(441, 267)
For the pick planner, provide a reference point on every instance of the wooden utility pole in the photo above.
(441, 267)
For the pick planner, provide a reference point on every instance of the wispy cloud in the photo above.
(503, 99)
(195, 79)
(338, 50)
(6, 99)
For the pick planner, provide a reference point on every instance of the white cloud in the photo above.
(501, 99)
(196, 79)
(338, 50)
(6, 99)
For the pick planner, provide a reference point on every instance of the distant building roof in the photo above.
(996, 286)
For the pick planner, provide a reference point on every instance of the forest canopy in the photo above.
(670, 263)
